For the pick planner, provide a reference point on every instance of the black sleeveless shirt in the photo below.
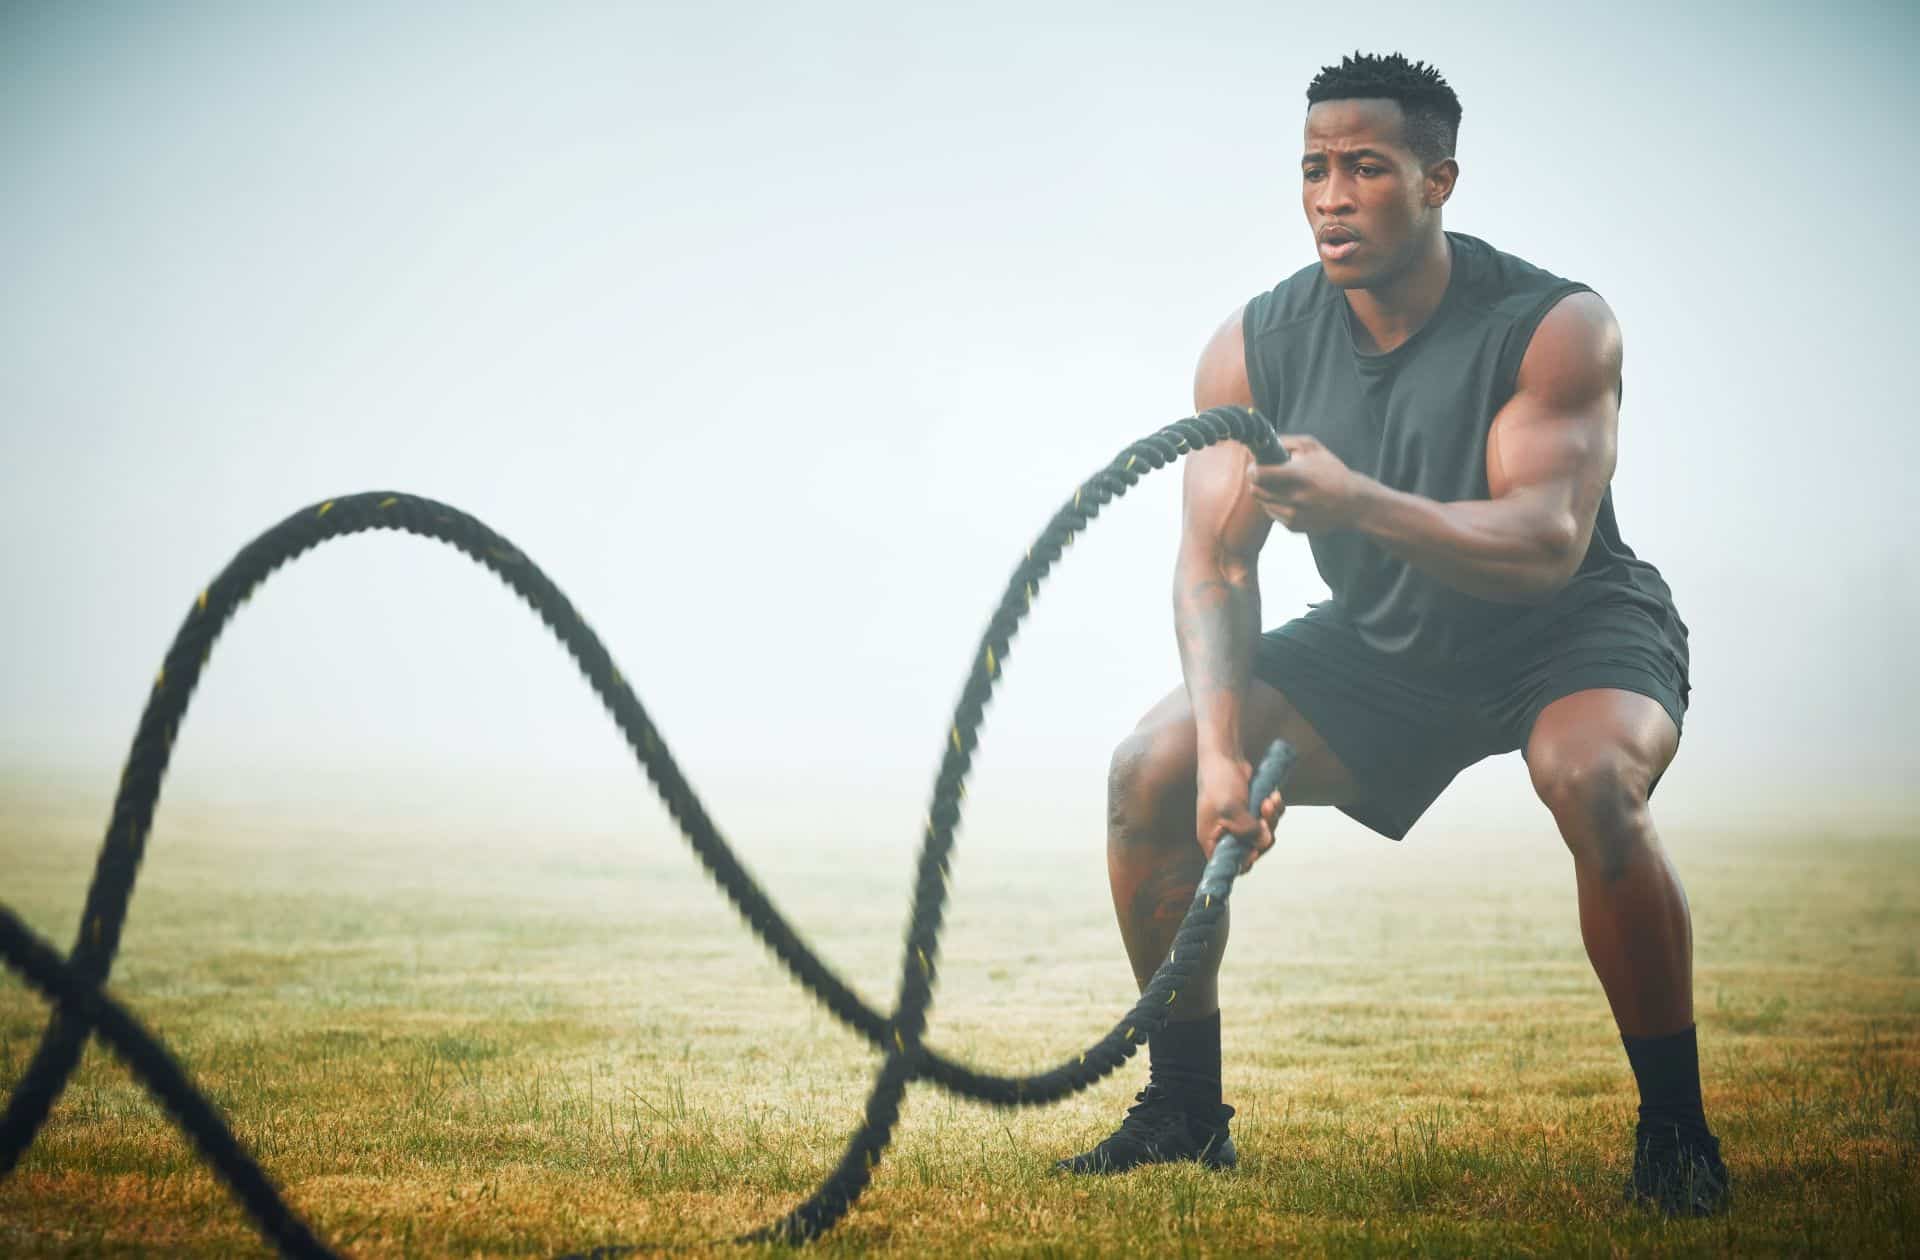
(1416, 418)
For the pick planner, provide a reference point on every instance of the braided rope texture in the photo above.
(83, 1009)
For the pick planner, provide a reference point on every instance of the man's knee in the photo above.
(1152, 769)
(1599, 799)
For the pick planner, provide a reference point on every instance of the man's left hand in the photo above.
(1313, 492)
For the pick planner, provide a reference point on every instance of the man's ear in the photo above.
(1440, 179)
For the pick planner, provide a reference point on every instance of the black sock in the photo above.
(1668, 1071)
(1184, 1060)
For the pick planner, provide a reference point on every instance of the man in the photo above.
(1450, 413)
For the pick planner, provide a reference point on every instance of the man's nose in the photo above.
(1336, 195)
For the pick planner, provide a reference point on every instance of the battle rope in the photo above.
(83, 1009)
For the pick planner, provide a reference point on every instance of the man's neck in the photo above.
(1389, 314)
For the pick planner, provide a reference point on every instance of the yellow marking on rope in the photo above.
(389, 501)
(618, 681)
(325, 508)
(1209, 899)
(160, 678)
(993, 668)
(1130, 460)
(956, 739)
(1083, 1060)
(898, 1042)
(1076, 500)
(1029, 597)
(926, 968)
(1171, 996)
(203, 601)
(1128, 1035)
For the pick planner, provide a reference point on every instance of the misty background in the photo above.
(775, 333)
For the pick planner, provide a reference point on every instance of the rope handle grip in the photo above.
(1230, 854)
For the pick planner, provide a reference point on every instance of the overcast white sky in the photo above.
(775, 332)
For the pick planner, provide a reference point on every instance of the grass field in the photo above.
(502, 1038)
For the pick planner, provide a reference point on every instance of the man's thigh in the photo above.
(1319, 776)
(1403, 734)
(1613, 646)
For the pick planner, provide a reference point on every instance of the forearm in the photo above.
(1518, 550)
(1216, 617)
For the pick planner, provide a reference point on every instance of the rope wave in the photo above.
(82, 1008)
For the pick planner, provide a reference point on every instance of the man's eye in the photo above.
(1315, 173)
(1368, 170)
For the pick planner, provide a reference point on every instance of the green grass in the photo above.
(500, 1039)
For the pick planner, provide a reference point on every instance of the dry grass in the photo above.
(496, 1040)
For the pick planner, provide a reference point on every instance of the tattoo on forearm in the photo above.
(1215, 621)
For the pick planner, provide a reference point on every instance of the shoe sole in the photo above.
(1215, 1157)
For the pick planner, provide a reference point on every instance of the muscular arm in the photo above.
(1550, 454)
(1216, 586)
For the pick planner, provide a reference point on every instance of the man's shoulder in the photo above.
(1506, 284)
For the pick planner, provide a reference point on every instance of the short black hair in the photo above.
(1431, 110)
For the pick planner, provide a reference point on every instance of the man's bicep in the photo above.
(1556, 436)
(1221, 522)
(1220, 379)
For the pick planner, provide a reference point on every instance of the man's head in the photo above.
(1377, 165)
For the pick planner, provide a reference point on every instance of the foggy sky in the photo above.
(775, 333)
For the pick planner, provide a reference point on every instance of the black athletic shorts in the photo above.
(1405, 732)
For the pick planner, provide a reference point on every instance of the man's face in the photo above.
(1364, 191)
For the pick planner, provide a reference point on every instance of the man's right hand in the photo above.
(1223, 783)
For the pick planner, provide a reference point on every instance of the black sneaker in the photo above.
(1678, 1175)
(1159, 1129)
